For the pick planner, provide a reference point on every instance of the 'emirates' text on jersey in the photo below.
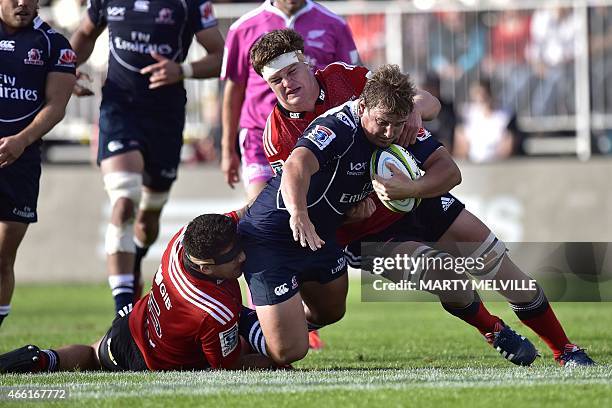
(137, 28)
(338, 141)
(26, 58)
(187, 322)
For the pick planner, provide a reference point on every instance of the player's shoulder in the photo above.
(326, 14)
(344, 117)
(341, 120)
(46, 30)
(344, 69)
(222, 301)
(57, 42)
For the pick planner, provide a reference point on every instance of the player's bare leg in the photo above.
(146, 230)
(471, 232)
(79, 356)
(324, 303)
(460, 299)
(123, 183)
(285, 330)
(460, 295)
(254, 188)
(32, 359)
(532, 306)
(11, 235)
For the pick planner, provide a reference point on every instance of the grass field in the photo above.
(380, 354)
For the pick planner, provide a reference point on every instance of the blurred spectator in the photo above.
(369, 35)
(443, 126)
(600, 48)
(416, 37)
(506, 62)
(551, 53)
(457, 45)
(483, 135)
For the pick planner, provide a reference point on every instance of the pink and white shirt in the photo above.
(327, 39)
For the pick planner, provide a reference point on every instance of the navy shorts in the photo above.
(157, 135)
(274, 272)
(427, 223)
(19, 185)
(118, 350)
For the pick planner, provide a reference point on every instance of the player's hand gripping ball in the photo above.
(403, 160)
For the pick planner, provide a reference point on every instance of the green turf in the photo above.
(380, 354)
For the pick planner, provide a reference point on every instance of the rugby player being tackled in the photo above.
(441, 218)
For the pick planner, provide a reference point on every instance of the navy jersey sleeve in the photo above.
(328, 138)
(95, 11)
(425, 145)
(62, 58)
(201, 15)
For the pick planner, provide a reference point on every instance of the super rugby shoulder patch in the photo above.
(321, 136)
(229, 340)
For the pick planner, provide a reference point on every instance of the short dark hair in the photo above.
(388, 88)
(272, 45)
(209, 234)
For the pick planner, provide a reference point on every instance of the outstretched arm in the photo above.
(297, 171)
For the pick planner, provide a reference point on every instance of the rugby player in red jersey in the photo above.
(192, 319)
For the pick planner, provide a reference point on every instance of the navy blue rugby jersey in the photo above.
(26, 57)
(338, 141)
(136, 28)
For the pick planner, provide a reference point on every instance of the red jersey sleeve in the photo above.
(276, 147)
(221, 343)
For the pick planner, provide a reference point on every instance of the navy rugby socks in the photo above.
(122, 287)
(4, 311)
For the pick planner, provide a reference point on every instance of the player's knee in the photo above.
(124, 190)
(488, 258)
(331, 315)
(7, 261)
(122, 211)
(287, 354)
(153, 201)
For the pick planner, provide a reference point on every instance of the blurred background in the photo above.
(526, 89)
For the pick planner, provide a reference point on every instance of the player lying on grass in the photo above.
(440, 218)
(192, 318)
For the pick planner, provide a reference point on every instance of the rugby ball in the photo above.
(403, 160)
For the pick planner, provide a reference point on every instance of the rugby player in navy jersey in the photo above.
(326, 175)
(37, 69)
(142, 115)
(441, 221)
